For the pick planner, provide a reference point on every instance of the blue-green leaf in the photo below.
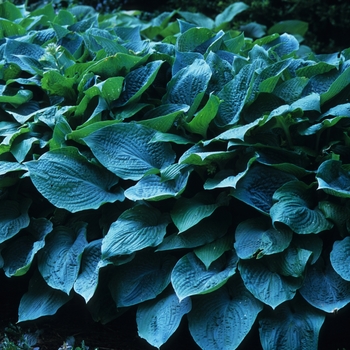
(146, 276)
(257, 186)
(125, 149)
(59, 260)
(266, 284)
(221, 320)
(188, 212)
(187, 83)
(158, 319)
(340, 258)
(324, 289)
(13, 217)
(334, 178)
(69, 181)
(229, 13)
(137, 228)
(40, 300)
(256, 237)
(291, 326)
(191, 277)
(19, 253)
(295, 207)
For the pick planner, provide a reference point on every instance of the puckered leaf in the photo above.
(59, 260)
(13, 217)
(324, 289)
(257, 186)
(221, 320)
(191, 277)
(295, 208)
(145, 277)
(125, 149)
(135, 229)
(158, 319)
(68, 180)
(291, 326)
(257, 237)
(340, 258)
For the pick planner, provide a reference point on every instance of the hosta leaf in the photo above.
(188, 212)
(256, 237)
(192, 38)
(19, 253)
(234, 95)
(324, 289)
(295, 208)
(125, 150)
(311, 243)
(206, 231)
(190, 276)
(200, 122)
(212, 251)
(267, 285)
(340, 258)
(334, 178)
(21, 97)
(291, 326)
(221, 320)
(229, 13)
(153, 188)
(68, 180)
(87, 280)
(187, 83)
(137, 81)
(257, 186)
(289, 26)
(13, 217)
(158, 319)
(146, 276)
(59, 260)
(40, 300)
(137, 228)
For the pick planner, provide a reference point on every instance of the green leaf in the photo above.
(193, 38)
(222, 319)
(334, 178)
(10, 11)
(40, 300)
(188, 212)
(266, 284)
(19, 253)
(191, 277)
(13, 217)
(201, 120)
(21, 97)
(69, 181)
(229, 14)
(137, 82)
(59, 260)
(324, 289)
(295, 27)
(137, 228)
(214, 250)
(87, 280)
(340, 258)
(296, 207)
(145, 277)
(158, 319)
(206, 231)
(188, 83)
(153, 188)
(291, 326)
(125, 149)
(256, 237)
(57, 84)
(257, 186)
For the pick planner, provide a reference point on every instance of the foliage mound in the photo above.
(177, 167)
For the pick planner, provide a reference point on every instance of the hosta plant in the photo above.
(177, 167)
